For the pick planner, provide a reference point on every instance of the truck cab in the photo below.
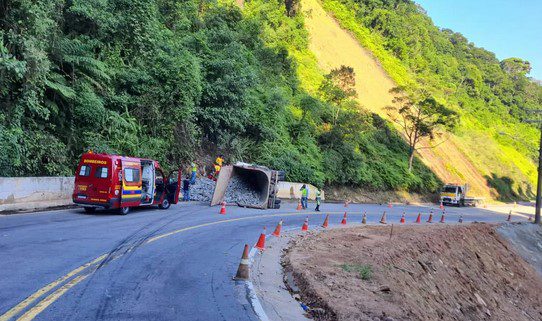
(453, 194)
(119, 182)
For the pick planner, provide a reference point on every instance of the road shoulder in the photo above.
(267, 276)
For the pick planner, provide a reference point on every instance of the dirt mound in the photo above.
(421, 273)
(526, 239)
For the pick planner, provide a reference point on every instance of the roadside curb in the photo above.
(251, 292)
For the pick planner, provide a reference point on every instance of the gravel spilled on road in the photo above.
(237, 192)
(202, 190)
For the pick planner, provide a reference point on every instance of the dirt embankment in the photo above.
(457, 272)
(360, 195)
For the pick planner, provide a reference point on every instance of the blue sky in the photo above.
(507, 28)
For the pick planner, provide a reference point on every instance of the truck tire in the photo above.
(165, 204)
(278, 201)
(124, 210)
(90, 210)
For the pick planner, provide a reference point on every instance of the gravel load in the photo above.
(202, 190)
(240, 191)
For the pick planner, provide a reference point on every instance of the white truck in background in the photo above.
(456, 194)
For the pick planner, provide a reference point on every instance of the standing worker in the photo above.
(194, 172)
(186, 188)
(218, 165)
(217, 171)
(219, 160)
(318, 199)
(304, 196)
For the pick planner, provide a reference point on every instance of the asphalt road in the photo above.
(152, 264)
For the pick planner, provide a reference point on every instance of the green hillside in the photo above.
(179, 80)
(491, 96)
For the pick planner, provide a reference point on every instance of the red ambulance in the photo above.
(119, 182)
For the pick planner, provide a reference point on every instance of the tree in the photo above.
(338, 87)
(419, 115)
(516, 67)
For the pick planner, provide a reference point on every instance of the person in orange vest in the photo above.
(217, 171)
(219, 160)
(218, 165)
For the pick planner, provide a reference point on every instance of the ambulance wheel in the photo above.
(90, 209)
(165, 204)
(124, 210)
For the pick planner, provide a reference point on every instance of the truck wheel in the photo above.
(165, 204)
(124, 210)
(90, 209)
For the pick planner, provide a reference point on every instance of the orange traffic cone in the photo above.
(223, 208)
(261, 241)
(430, 219)
(277, 229)
(299, 206)
(419, 218)
(402, 221)
(441, 206)
(343, 222)
(326, 222)
(364, 218)
(460, 218)
(442, 218)
(305, 226)
(243, 271)
(389, 204)
(509, 219)
(383, 218)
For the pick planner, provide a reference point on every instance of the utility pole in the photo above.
(539, 180)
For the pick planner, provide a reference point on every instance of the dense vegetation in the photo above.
(174, 80)
(491, 96)
(178, 80)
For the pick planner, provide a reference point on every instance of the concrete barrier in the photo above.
(290, 190)
(29, 193)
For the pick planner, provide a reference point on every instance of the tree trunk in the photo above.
(410, 159)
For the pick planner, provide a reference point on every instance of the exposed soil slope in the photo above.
(461, 272)
(526, 239)
(333, 47)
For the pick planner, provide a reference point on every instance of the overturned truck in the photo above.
(248, 185)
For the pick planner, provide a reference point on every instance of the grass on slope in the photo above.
(333, 47)
(473, 154)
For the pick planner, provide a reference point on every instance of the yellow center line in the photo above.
(44, 303)
(26, 302)
(51, 298)
(232, 220)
